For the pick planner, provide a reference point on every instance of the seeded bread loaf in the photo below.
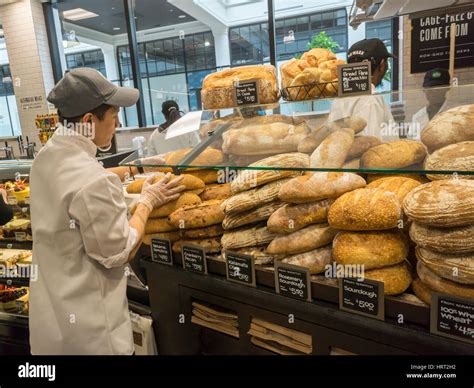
(396, 278)
(397, 185)
(197, 216)
(206, 232)
(216, 191)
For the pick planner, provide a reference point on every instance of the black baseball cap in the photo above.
(368, 49)
(437, 77)
(83, 89)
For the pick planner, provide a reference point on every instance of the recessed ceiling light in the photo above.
(207, 43)
(116, 28)
(78, 14)
(182, 16)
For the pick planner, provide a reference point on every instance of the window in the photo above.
(92, 58)
(9, 120)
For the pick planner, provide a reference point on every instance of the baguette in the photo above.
(395, 154)
(333, 150)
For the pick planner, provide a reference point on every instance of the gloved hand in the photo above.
(157, 194)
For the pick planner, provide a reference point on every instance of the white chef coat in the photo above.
(81, 243)
(371, 108)
(158, 145)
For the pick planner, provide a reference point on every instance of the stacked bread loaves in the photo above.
(443, 229)
(304, 236)
(368, 219)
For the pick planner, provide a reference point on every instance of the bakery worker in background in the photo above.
(82, 239)
(371, 108)
(158, 145)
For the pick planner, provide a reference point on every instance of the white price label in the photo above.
(12, 200)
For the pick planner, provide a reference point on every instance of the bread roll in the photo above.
(396, 278)
(249, 179)
(246, 237)
(304, 240)
(320, 185)
(442, 203)
(455, 157)
(395, 154)
(422, 291)
(159, 225)
(397, 185)
(184, 200)
(332, 152)
(190, 182)
(457, 240)
(218, 89)
(457, 268)
(171, 236)
(315, 57)
(216, 191)
(262, 213)
(209, 245)
(315, 260)
(361, 145)
(331, 66)
(365, 209)
(291, 69)
(453, 126)
(370, 249)
(308, 77)
(197, 216)
(207, 232)
(292, 218)
(436, 283)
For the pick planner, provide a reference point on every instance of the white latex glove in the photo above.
(157, 194)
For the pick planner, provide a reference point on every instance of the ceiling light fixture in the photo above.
(182, 16)
(207, 43)
(116, 28)
(78, 14)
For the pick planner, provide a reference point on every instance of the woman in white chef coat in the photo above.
(82, 238)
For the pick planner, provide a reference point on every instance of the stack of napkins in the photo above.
(216, 319)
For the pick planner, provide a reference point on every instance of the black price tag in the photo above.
(240, 268)
(246, 92)
(194, 259)
(452, 317)
(364, 297)
(292, 281)
(161, 251)
(354, 79)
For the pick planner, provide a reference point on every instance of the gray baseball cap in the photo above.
(83, 89)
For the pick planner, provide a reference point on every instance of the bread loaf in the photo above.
(457, 240)
(396, 278)
(330, 66)
(361, 145)
(438, 284)
(190, 182)
(315, 260)
(184, 200)
(249, 179)
(453, 126)
(458, 268)
(197, 216)
(455, 157)
(374, 177)
(332, 152)
(309, 76)
(422, 291)
(304, 240)
(315, 57)
(246, 237)
(291, 69)
(397, 185)
(395, 154)
(320, 185)
(254, 198)
(218, 89)
(171, 236)
(443, 204)
(159, 225)
(207, 232)
(208, 158)
(209, 245)
(207, 176)
(370, 249)
(262, 213)
(216, 191)
(259, 253)
(365, 209)
(292, 218)
(353, 164)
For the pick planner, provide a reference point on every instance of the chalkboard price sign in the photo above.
(240, 268)
(364, 297)
(452, 317)
(354, 79)
(293, 281)
(161, 251)
(246, 92)
(194, 259)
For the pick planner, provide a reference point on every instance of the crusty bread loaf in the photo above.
(218, 89)
(445, 203)
(292, 218)
(209, 245)
(315, 260)
(249, 179)
(455, 157)
(320, 185)
(370, 249)
(356, 123)
(254, 198)
(438, 284)
(159, 225)
(262, 213)
(374, 177)
(422, 291)
(365, 209)
(304, 240)
(190, 182)
(333, 150)
(361, 145)
(396, 278)
(453, 126)
(246, 237)
(210, 157)
(457, 240)
(216, 191)
(206, 232)
(197, 216)
(184, 200)
(207, 176)
(458, 268)
(171, 236)
(259, 253)
(397, 185)
(395, 154)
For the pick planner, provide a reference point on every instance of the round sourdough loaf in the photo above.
(370, 249)
(457, 268)
(443, 203)
(438, 284)
(456, 240)
(422, 291)
(400, 186)
(396, 278)
(455, 157)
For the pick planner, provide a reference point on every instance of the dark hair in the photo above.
(99, 112)
(168, 107)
